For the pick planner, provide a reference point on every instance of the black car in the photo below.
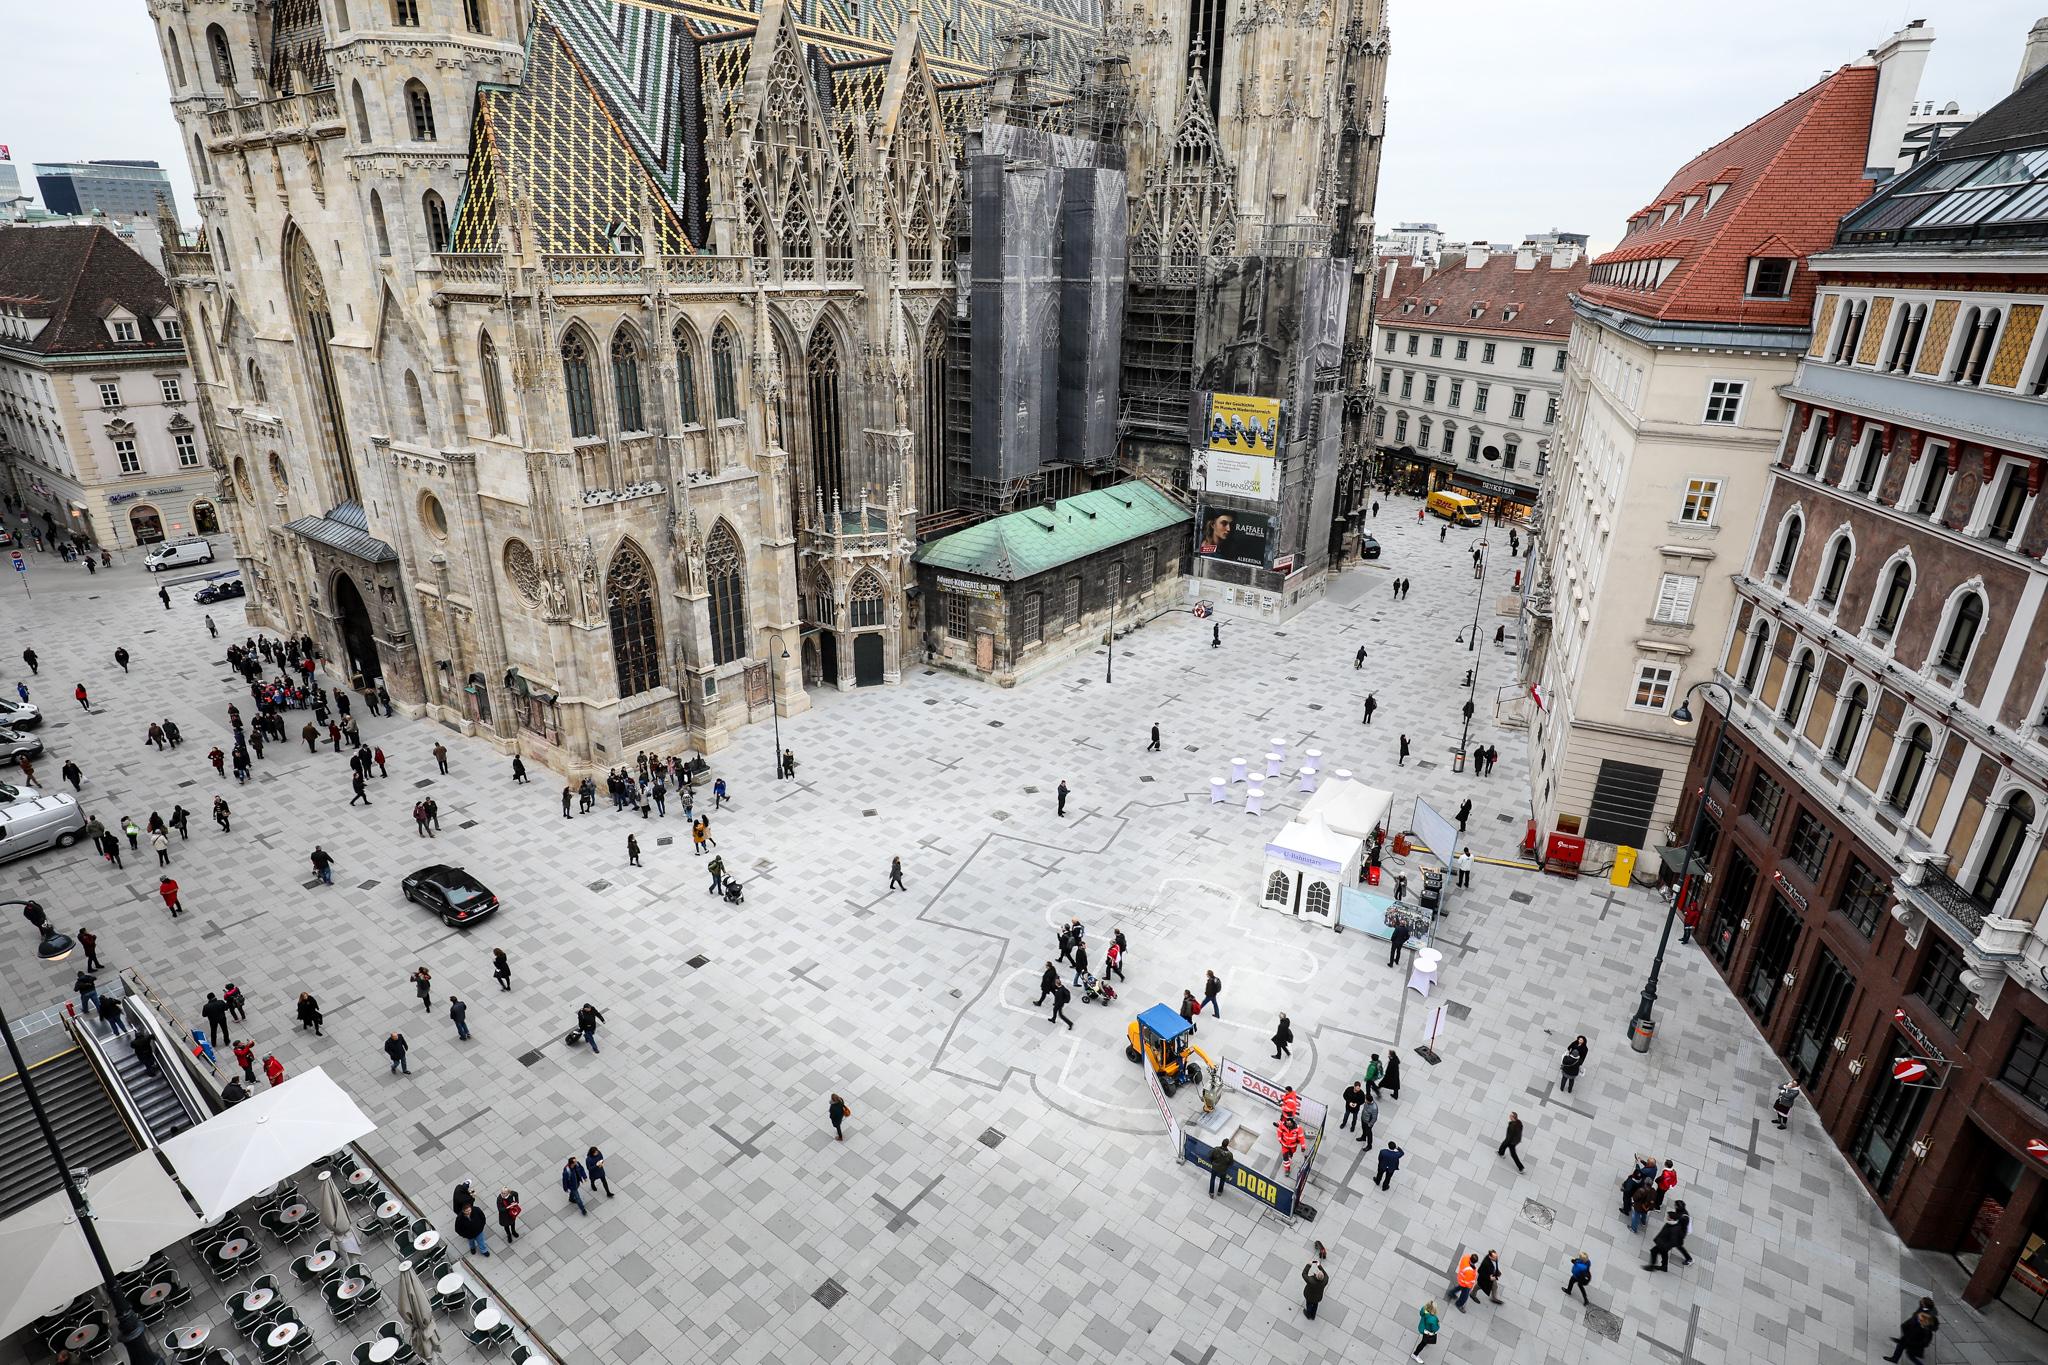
(225, 590)
(1368, 548)
(451, 893)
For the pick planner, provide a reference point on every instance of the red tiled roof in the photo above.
(1791, 175)
(77, 276)
(1540, 298)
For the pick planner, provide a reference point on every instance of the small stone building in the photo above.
(1009, 598)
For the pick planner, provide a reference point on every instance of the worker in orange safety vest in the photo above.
(1292, 1140)
(1290, 1105)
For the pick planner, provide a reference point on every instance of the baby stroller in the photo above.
(1095, 992)
(733, 894)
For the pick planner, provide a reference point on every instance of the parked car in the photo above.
(36, 822)
(1368, 548)
(225, 590)
(19, 715)
(451, 893)
(10, 793)
(13, 744)
(169, 554)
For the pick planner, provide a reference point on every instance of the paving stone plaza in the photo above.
(1005, 1191)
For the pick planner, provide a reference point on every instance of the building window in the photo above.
(1912, 762)
(1391, 340)
(1737, 885)
(405, 13)
(1558, 364)
(1766, 797)
(437, 221)
(2026, 1069)
(1700, 497)
(1379, 423)
(1810, 841)
(1550, 411)
(1472, 444)
(1727, 763)
(2011, 498)
(1931, 487)
(1429, 389)
(1386, 381)
(826, 437)
(188, 449)
(1851, 722)
(1895, 590)
(1450, 438)
(173, 393)
(1407, 383)
(1962, 633)
(686, 381)
(956, 616)
(1486, 354)
(1520, 407)
(1401, 429)
(1724, 400)
(866, 604)
(1457, 393)
(419, 106)
(1073, 602)
(1788, 549)
(1863, 898)
(1653, 687)
(626, 382)
(1828, 991)
(725, 569)
(476, 15)
(1414, 343)
(2003, 850)
(223, 55)
(1034, 617)
(1838, 569)
(124, 453)
(1422, 433)
(725, 387)
(1770, 277)
(1436, 346)
(1886, 1133)
(494, 392)
(1464, 347)
(1941, 984)
(1507, 458)
(110, 395)
(1479, 392)
(576, 381)
(1774, 949)
(1528, 360)
(1674, 597)
(1150, 568)
(1795, 690)
(629, 594)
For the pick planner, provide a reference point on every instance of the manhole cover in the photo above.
(1031, 791)
(365, 886)
(999, 815)
(1505, 819)
(1600, 1322)
(1315, 706)
(599, 885)
(188, 784)
(1144, 779)
(995, 725)
(699, 960)
(992, 1137)
(931, 701)
(832, 1292)
(870, 811)
(1458, 1011)
(1520, 897)
(424, 782)
(1192, 749)
(665, 840)
(467, 824)
(310, 885)
(528, 1059)
(1542, 1215)
(1424, 764)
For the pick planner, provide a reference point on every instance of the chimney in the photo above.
(1475, 256)
(1898, 64)
(1052, 505)
(2035, 55)
(1564, 255)
(1525, 256)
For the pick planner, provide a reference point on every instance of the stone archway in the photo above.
(358, 636)
(146, 525)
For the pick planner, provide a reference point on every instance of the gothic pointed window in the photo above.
(825, 605)
(917, 245)
(686, 380)
(437, 221)
(636, 646)
(415, 407)
(838, 243)
(494, 391)
(223, 55)
(576, 383)
(378, 225)
(826, 433)
(626, 381)
(725, 572)
(867, 604)
(419, 106)
(754, 231)
(725, 379)
(796, 241)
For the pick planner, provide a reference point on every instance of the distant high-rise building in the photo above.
(111, 187)
(1420, 240)
(10, 190)
(1543, 241)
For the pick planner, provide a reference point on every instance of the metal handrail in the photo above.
(110, 1081)
(209, 1103)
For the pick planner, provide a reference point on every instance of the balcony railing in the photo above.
(709, 269)
(285, 113)
(1960, 913)
(618, 270)
(471, 267)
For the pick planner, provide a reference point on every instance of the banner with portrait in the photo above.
(1238, 537)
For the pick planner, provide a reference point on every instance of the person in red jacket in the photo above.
(219, 761)
(79, 692)
(168, 889)
(1292, 1140)
(1290, 1105)
(246, 1055)
(274, 1069)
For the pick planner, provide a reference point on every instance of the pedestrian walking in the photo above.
(718, 788)
(1066, 943)
(717, 870)
(567, 792)
(1465, 861)
(587, 1019)
(165, 595)
(163, 849)
(1389, 1162)
(1468, 1280)
(132, 830)
(423, 987)
(508, 1213)
(1574, 1060)
(1314, 1280)
(697, 837)
(1216, 635)
(1663, 1242)
(1283, 1039)
(237, 1003)
(1047, 983)
(1403, 760)
(1781, 1107)
(1113, 958)
(90, 943)
(156, 736)
(1644, 1202)
(110, 847)
(441, 755)
(1489, 1276)
(1060, 996)
(1221, 1159)
(221, 813)
(1510, 1143)
(896, 875)
(593, 1166)
(216, 1015)
(1582, 1275)
(1153, 747)
(112, 1016)
(88, 988)
(1916, 1334)
(1063, 797)
(121, 658)
(168, 889)
(361, 789)
(1080, 962)
(1390, 1079)
(273, 1070)
(470, 1225)
(377, 758)
(1464, 814)
(1358, 662)
(73, 774)
(145, 1051)
(1684, 1230)
(419, 815)
(1368, 1119)
(1427, 1323)
(1372, 704)
(84, 703)
(1373, 1072)
(632, 851)
(838, 1113)
(459, 1012)
(394, 1048)
(37, 919)
(1212, 988)
(28, 656)
(573, 1176)
(309, 1013)
(1667, 1181)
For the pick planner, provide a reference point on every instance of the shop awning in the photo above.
(44, 1262)
(1674, 859)
(272, 1134)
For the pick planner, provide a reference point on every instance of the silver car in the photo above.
(19, 715)
(13, 744)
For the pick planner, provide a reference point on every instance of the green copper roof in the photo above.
(1030, 542)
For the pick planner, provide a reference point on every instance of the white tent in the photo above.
(44, 1261)
(1349, 807)
(1307, 867)
(267, 1137)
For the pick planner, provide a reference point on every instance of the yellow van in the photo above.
(1454, 507)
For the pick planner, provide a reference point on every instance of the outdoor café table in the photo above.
(426, 1241)
(282, 1334)
(293, 1213)
(137, 1268)
(348, 1289)
(256, 1300)
(320, 1260)
(448, 1283)
(359, 1177)
(154, 1295)
(487, 1319)
(192, 1338)
(383, 1349)
(390, 1208)
(231, 1251)
(82, 1334)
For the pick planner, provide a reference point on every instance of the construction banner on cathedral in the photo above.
(1239, 537)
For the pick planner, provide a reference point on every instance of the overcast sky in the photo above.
(1506, 119)
(1503, 118)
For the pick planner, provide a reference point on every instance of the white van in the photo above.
(171, 554)
(34, 824)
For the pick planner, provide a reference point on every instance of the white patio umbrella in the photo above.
(416, 1311)
(264, 1139)
(334, 1213)
(44, 1261)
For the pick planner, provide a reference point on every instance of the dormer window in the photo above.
(1714, 193)
(1669, 209)
(170, 329)
(1477, 309)
(124, 331)
(1692, 201)
(1770, 277)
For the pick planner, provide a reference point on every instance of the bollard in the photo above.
(1640, 1032)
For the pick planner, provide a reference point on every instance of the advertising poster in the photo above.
(1244, 425)
(1241, 476)
(1239, 537)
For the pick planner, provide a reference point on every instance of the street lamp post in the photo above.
(128, 1321)
(1472, 674)
(775, 704)
(55, 947)
(1682, 716)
